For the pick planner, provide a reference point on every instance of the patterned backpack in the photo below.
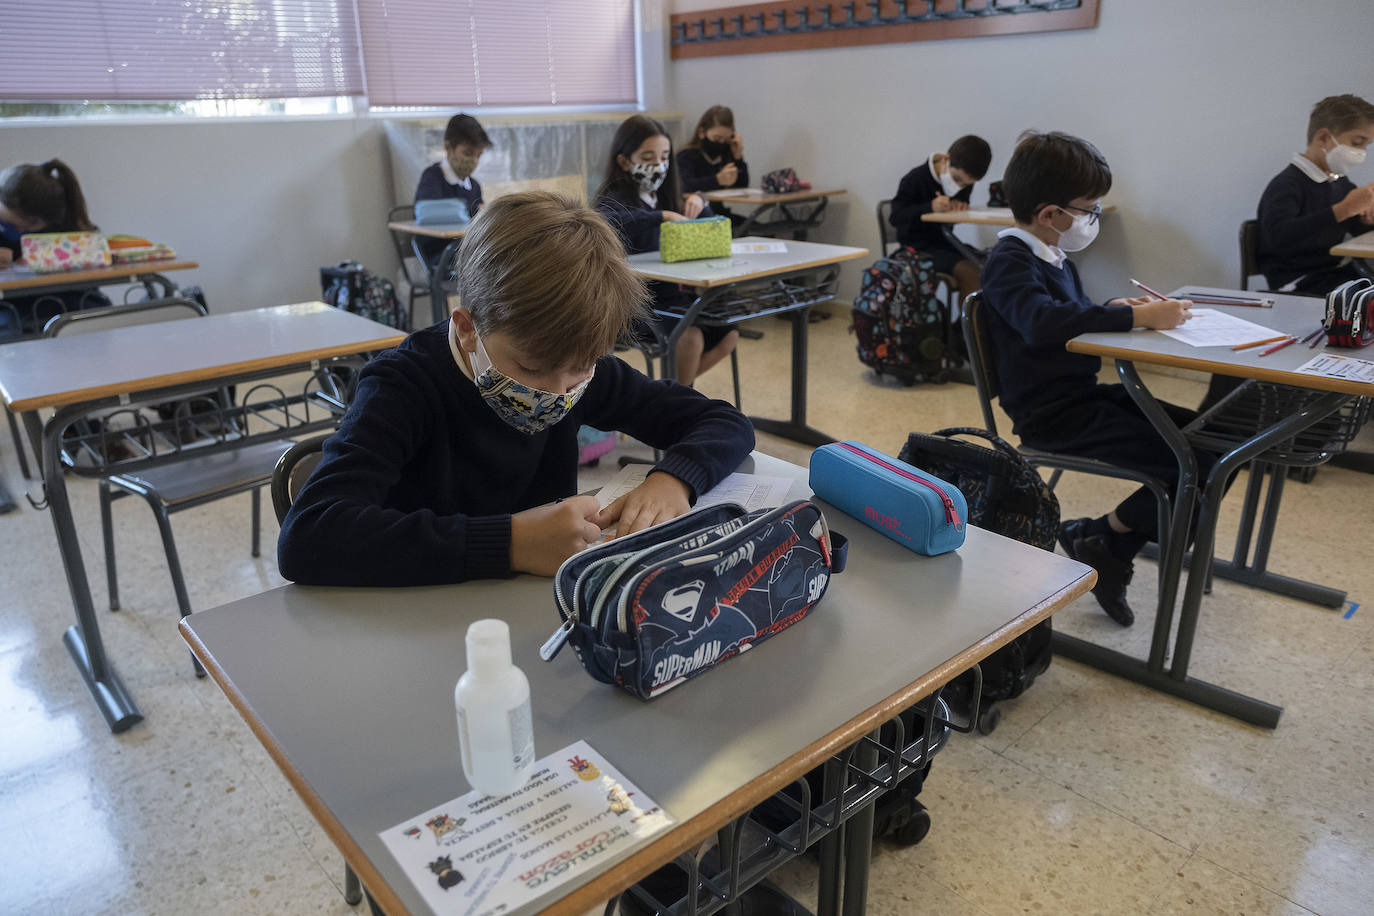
(354, 288)
(903, 328)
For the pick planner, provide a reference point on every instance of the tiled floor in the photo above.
(1093, 796)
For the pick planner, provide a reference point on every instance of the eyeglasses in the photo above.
(1093, 214)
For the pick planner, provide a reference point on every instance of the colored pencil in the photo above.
(1258, 343)
(1278, 346)
(1309, 337)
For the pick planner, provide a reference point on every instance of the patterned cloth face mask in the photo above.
(522, 407)
(462, 166)
(649, 175)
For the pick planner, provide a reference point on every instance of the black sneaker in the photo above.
(1113, 574)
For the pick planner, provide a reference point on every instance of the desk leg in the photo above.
(83, 640)
(795, 428)
(831, 850)
(858, 840)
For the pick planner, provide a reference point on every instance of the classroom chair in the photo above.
(982, 364)
(171, 488)
(292, 470)
(1248, 267)
(407, 248)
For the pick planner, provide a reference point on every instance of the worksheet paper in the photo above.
(733, 192)
(752, 491)
(758, 247)
(1333, 365)
(1210, 328)
(479, 855)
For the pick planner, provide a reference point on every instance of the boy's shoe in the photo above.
(1113, 575)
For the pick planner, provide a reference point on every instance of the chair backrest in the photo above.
(1248, 267)
(293, 469)
(980, 356)
(885, 224)
(407, 248)
(152, 311)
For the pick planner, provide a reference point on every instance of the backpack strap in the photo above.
(997, 442)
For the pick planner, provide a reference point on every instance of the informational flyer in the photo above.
(480, 855)
(758, 247)
(1334, 365)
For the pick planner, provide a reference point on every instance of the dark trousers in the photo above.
(1107, 425)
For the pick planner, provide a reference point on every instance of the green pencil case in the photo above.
(692, 239)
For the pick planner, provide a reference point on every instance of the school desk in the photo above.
(728, 292)
(987, 216)
(776, 213)
(123, 368)
(351, 692)
(1361, 248)
(1295, 315)
(19, 280)
(453, 234)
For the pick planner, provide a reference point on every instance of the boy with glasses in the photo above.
(1036, 304)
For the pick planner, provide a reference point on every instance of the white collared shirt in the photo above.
(452, 177)
(1050, 254)
(650, 199)
(1311, 169)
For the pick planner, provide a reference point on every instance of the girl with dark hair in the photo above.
(638, 195)
(39, 198)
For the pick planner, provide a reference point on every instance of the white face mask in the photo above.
(948, 184)
(649, 175)
(1340, 159)
(1080, 233)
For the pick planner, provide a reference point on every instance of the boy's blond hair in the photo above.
(1338, 114)
(551, 273)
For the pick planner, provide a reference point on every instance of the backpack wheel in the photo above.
(988, 718)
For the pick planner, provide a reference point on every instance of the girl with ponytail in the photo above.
(39, 198)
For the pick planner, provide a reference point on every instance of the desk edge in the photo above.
(713, 284)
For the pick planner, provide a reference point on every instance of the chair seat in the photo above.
(1087, 465)
(204, 476)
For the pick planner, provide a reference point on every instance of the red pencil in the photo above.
(1278, 346)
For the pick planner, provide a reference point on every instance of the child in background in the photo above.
(638, 195)
(464, 143)
(714, 158)
(944, 182)
(1311, 205)
(457, 458)
(39, 198)
(1035, 304)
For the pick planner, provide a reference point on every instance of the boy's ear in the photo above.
(465, 328)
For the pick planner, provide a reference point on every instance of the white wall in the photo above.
(261, 205)
(1195, 104)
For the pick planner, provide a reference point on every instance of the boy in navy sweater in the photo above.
(1036, 303)
(458, 457)
(944, 182)
(451, 177)
(1311, 205)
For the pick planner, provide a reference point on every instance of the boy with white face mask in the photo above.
(1313, 204)
(944, 182)
(1035, 304)
(457, 458)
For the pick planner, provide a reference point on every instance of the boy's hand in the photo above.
(736, 146)
(958, 204)
(1162, 314)
(659, 498)
(728, 175)
(940, 204)
(692, 205)
(6, 258)
(543, 537)
(1132, 300)
(1360, 201)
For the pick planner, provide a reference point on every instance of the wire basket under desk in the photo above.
(764, 297)
(1256, 406)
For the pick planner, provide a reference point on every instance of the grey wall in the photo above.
(1195, 104)
(260, 204)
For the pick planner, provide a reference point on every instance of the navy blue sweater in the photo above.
(434, 186)
(1034, 308)
(636, 222)
(697, 173)
(1297, 227)
(418, 485)
(915, 194)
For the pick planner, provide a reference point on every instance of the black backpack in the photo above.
(352, 287)
(903, 328)
(1007, 496)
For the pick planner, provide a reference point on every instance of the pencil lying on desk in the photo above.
(1315, 338)
(1278, 346)
(1259, 343)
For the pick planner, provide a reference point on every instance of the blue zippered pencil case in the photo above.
(917, 510)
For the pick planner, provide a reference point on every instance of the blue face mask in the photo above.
(522, 407)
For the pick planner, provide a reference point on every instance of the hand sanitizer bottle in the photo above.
(495, 730)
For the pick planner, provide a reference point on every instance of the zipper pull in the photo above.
(951, 515)
(555, 642)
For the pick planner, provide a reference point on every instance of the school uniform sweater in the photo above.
(1033, 309)
(438, 182)
(698, 173)
(1297, 227)
(636, 221)
(918, 189)
(418, 485)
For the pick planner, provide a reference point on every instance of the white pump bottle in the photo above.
(495, 729)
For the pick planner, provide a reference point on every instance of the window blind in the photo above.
(445, 53)
(155, 50)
